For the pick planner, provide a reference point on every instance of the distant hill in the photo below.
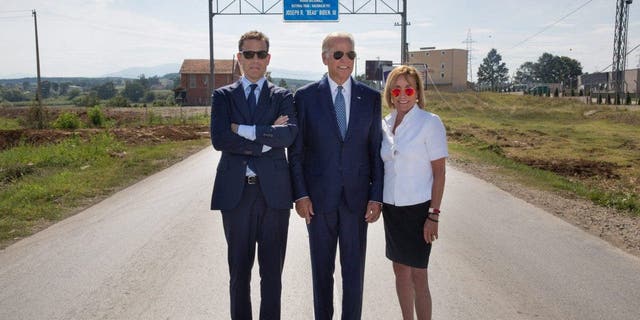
(135, 72)
(291, 83)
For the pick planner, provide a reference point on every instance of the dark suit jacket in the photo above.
(322, 164)
(229, 105)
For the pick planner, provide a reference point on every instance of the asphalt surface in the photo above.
(155, 251)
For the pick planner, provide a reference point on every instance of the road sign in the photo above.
(310, 10)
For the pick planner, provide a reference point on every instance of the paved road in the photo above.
(154, 251)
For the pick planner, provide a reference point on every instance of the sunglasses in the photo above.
(339, 54)
(408, 91)
(247, 54)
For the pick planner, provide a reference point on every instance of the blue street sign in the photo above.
(310, 10)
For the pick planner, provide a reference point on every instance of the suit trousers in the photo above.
(250, 223)
(326, 230)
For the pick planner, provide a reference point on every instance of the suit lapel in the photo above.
(356, 102)
(240, 101)
(326, 103)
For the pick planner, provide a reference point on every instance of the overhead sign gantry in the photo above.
(306, 11)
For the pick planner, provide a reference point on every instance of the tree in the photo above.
(64, 87)
(282, 83)
(73, 93)
(45, 89)
(149, 96)
(493, 71)
(13, 95)
(144, 82)
(526, 74)
(550, 69)
(133, 90)
(106, 90)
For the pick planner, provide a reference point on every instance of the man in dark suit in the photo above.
(337, 174)
(252, 122)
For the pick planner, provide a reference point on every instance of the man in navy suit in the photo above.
(252, 122)
(337, 174)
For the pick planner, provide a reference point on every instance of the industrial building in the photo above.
(446, 68)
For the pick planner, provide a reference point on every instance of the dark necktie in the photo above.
(251, 99)
(251, 102)
(341, 112)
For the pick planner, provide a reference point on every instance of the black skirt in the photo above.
(403, 230)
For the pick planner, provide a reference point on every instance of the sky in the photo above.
(92, 38)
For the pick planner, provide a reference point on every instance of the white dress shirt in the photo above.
(346, 92)
(419, 139)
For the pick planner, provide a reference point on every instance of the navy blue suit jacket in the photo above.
(323, 165)
(229, 105)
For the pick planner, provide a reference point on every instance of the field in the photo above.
(592, 151)
(47, 175)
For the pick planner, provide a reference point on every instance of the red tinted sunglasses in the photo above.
(408, 91)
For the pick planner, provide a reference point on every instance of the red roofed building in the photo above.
(194, 78)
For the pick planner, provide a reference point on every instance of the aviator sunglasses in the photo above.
(248, 54)
(408, 91)
(339, 54)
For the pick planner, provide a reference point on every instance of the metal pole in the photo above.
(211, 81)
(403, 38)
(38, 89)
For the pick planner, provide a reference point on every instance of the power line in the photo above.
(4, 11)
(628, 52)
(551, 25)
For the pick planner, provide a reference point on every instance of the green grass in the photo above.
(511, 131)
(43, 184)
(9, 124)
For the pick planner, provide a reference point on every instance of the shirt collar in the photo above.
(246, 83)
(346, 86)
(391, 118)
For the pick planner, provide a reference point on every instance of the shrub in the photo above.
(118, 101)
(5, 104)
(149, 96)
(67, 120)
(96, 116)
(73, 93)
(170, 101)
(38, 117)
(86, 100)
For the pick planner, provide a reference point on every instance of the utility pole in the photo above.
(212, 77)
(469, 41)
(620, 46)
(404, 46)
(40, 115)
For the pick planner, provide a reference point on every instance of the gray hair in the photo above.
(336, 35)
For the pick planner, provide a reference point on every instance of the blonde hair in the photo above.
(408, 72)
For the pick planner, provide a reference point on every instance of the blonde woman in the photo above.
(414, 151)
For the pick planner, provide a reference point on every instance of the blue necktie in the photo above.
(341, 112)
(251, 98)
